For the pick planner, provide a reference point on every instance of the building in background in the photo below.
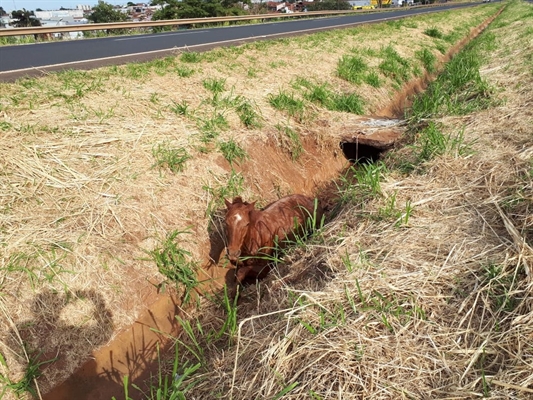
(62, 18)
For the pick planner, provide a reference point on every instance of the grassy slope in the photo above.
(81, 199)
(436, 305)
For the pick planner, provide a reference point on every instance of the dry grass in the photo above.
(81, 202)
(439, 308)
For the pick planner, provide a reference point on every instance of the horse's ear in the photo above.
(253, 204)
(228, 204)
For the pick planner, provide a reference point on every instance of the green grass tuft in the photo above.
(394, 66)
(191, 57)
(232, 151)
(352, 69)
(322, 95)
(433, 32)
(27, 383)
(288, 103)
(176, 263)
(215, 85)
(350, 102)
(173, 158)
(428, 59)
(247, 114)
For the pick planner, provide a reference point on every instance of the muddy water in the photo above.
(133, 351)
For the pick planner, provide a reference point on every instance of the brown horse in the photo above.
(253, 234)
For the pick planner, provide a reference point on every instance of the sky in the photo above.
(9, 5)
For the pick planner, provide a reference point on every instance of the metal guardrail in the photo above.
(171, 22)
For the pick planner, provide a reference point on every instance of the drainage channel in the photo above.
(133, 351)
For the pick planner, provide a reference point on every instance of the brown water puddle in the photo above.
(133, 352)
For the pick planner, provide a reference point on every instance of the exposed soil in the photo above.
(132, 351)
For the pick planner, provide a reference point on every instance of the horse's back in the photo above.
(292, 210)
(294, 201)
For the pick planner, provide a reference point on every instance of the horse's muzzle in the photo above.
(233, 255)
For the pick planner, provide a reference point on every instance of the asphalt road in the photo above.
(35, 59)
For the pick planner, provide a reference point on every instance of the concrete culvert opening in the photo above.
(360, 153)
(366, 138)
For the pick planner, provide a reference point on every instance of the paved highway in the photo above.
(34, 59)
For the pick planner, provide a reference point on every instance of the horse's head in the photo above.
(237, 223)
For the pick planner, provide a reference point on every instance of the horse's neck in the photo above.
(256, 234)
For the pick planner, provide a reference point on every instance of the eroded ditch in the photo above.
(133, 351)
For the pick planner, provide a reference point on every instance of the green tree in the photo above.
(2, 14)
(195, 9)
(25, 19)
(180, 9)
(104, 12)
(329, 5)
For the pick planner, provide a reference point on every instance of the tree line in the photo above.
(105, 12)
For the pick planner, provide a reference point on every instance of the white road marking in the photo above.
(212, 44)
